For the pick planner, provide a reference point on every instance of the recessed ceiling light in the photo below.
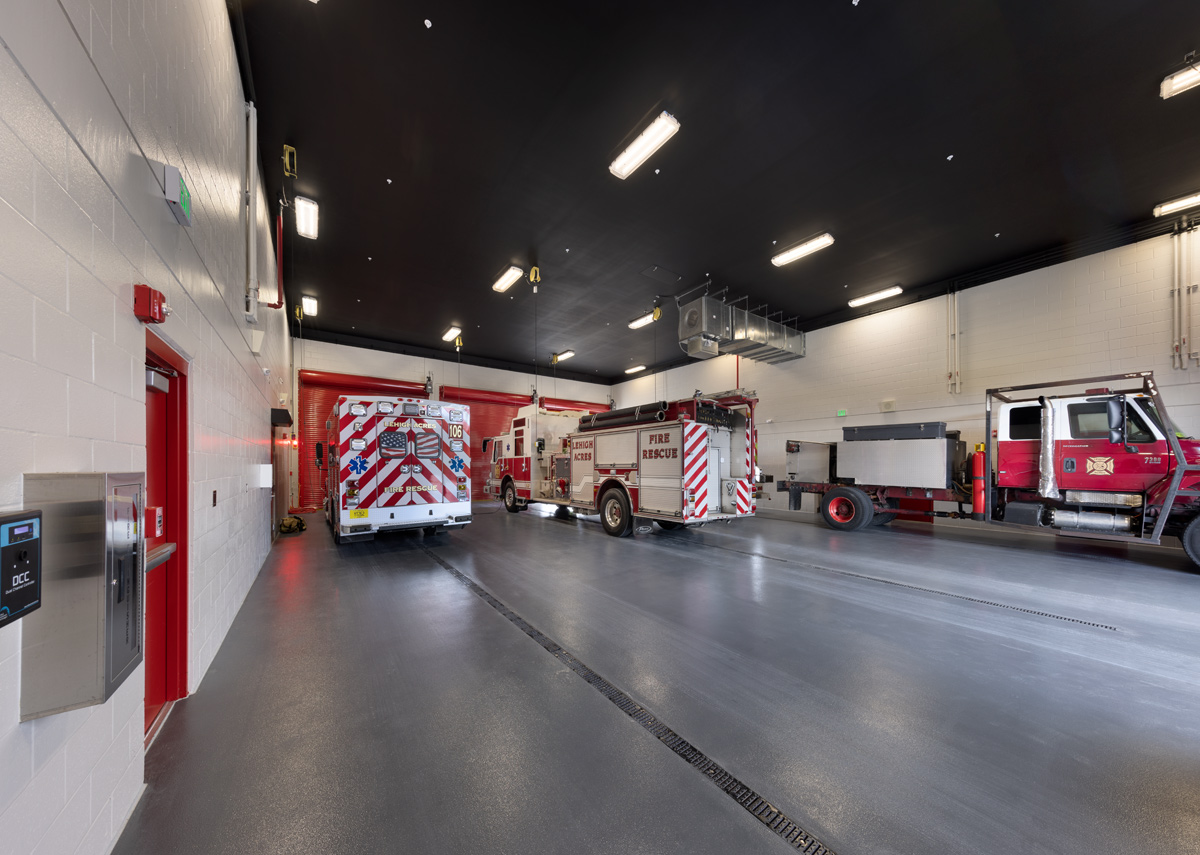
(451, 334)
(648, 141)
(1177, 205)
(308, 305)
(635, 369)
(878, 295)
(648, 318)
(1180, 81)
(559, 357)
(306, 217)
(428, 23)
(806, 248)
(507, 279)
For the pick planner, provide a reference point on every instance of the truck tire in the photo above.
(669, 525)
(1191, 541)
(847, 509)
(614, 513)
(510, 497)
(885, 518)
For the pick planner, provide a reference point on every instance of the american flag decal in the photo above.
(393, 444)
(428, 443)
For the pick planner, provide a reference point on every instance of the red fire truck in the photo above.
(1105, 464)
(682, 463)
(396, 463)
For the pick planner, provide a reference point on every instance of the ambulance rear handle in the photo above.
(320, 455)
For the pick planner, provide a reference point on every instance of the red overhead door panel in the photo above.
(319, 391)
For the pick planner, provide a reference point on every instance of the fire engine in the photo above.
(1105, 464)
(396, 463)
(682, 463)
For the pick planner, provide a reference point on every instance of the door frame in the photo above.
(177, 522)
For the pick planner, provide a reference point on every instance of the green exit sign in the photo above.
(179, 198)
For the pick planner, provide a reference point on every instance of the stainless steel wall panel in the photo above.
(87, 638)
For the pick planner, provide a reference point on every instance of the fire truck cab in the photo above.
(396, 463)
(682, 463)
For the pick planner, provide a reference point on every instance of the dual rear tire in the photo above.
(847, 509)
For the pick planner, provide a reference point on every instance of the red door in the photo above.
(165, 649)
(156, 588)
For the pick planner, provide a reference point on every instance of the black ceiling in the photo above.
(496, 126)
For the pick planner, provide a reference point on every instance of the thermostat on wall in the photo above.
(179, 198)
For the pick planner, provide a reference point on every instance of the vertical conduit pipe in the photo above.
(1185, 286)
(278, 304)
(251, 212)
(1175, 304)
(957, 348)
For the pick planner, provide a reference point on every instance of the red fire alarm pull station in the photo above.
(149, 305)
(154, 522)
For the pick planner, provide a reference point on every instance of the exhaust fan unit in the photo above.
(709, 327)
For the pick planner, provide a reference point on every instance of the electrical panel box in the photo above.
(87, 637)
(20, 565)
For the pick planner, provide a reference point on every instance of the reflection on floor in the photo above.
(891, 690)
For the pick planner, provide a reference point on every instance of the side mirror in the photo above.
(320, 454)
(1116, 421)
(487, 443)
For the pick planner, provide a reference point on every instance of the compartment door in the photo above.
(661, 470)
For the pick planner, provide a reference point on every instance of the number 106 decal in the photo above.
(454, 431)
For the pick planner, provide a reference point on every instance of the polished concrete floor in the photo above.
(897, 690)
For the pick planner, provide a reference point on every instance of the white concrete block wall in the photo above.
(1103, 314)
(94, 97)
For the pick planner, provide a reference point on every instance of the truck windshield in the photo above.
(1152, 411)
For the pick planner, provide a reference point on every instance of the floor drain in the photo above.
(758, 807)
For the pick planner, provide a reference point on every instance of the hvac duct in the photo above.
(709, 327)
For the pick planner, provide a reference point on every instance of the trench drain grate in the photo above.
(758, 807)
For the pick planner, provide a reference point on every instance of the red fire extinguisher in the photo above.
(978, 484)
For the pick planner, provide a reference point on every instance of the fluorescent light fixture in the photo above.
(648, 141)
(1177, 205)
(1180, 81)
(451, 334)
(559, 357)
(308, 305)
(635, 369)
(510, 276)
(648, 318)
(306, 217)
(878, 295)
(806, 248)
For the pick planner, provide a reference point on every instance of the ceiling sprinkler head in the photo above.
(428, 23)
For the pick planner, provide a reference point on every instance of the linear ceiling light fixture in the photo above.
(306, 217)
(648, 318)
(878, 295)
(308, 305)
(648, 141)
(507, 279)
(635, 369)
(1177, 205)
(806, 248)
(451, 334)
(559, 357)
(1181, 81)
